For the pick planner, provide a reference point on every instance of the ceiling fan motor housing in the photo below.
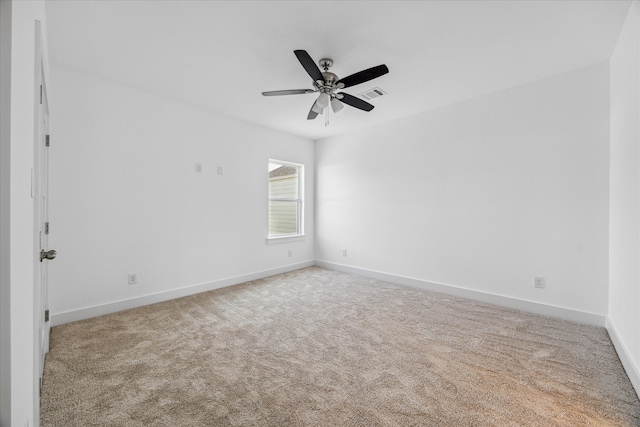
(329, 78)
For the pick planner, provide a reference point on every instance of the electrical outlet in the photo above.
(198, 167)
(538, 282)
(133, 278)
(290, 253)
(344, 252)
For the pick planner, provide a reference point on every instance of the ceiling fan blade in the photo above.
(364, 76)
(309, 65)
(287, 92)
(355, 102)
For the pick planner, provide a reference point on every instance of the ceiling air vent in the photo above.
(376, 92)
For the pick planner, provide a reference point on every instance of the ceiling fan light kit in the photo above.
(336, 105)
(323, 100)
(327, 83)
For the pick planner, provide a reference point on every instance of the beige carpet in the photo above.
(320, 348)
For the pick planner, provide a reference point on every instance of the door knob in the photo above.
(47, 254)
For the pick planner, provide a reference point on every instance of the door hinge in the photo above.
(47, 140)
(46, 228)
(46, 315)
(40, 94)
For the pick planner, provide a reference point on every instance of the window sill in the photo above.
(285, 239)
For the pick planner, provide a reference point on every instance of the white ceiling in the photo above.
(220, 55)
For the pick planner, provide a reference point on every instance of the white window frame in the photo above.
(299, 234)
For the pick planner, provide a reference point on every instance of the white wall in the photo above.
(19, 361)
(483, 194)
(126, 198)
(624, 230)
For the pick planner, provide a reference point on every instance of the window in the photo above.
(285, 199)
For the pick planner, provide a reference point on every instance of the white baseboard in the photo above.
(530, 306)
(115, 306)
(533, 307)
(516, 303)
(633, 371)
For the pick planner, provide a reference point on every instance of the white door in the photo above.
(44, 229)
(41, 220)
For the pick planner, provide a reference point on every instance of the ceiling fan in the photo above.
(327, 83)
